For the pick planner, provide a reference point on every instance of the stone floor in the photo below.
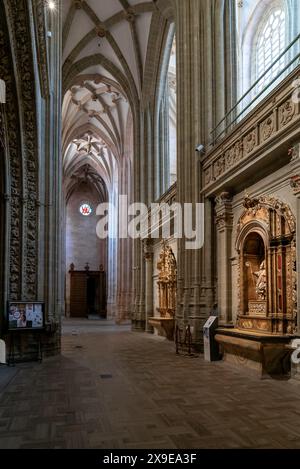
(115, 389)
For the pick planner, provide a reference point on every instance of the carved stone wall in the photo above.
(29, 164)
(21, 45)
(12, 141)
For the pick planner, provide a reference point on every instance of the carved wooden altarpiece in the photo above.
(167, 282)
(266, 243)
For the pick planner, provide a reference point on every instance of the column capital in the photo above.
(225, 198)
(224, 216)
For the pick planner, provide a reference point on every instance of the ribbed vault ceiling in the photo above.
(104, 51)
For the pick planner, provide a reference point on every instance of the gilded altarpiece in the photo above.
(266, 244)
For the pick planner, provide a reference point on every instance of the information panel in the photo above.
(23, 315)
(210, 348)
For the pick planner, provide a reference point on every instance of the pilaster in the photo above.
(224, 223)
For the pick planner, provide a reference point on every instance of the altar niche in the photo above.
(254, 278)
(267, 263)
(167, 283)
(164, 322)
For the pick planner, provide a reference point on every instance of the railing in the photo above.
(235, 114)
(184, 341)
(274, 125)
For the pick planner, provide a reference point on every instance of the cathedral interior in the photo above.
(172, 127)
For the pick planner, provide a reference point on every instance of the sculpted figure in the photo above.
(261, 282)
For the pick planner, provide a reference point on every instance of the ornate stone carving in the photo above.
(254, 324)
(267, 128)
(234, 154)
(286, 113)
(294, 153)
(295, 184)
(270, 291)
(20, 41)
(257, 308)
(167, 282)
(224, 217)
(11, 121)
(250, 142)
(208, 176)
(39, 14)
(219, 167)
(257, 208)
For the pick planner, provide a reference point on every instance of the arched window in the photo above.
(171, 90)
(271, 42)
(264, 30)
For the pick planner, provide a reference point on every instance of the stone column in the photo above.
(148, 255)
(190, 111)
(224, 220)
(208, 280)
(204, 65)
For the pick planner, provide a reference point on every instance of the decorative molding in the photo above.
(20, 42)
(257, 209)
(295, 184)
(224, 215)
(12, 135)
(41, 35)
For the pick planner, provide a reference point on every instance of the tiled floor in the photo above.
(116, 389)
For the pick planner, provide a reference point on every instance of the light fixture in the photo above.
(51, 4)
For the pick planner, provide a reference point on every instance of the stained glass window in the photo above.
(85, 210)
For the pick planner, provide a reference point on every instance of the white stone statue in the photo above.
(261, 282)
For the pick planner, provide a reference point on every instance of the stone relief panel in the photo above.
(286, 113)
(250, 141)
(267, 128)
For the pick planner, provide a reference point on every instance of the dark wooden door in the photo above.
(78, 303)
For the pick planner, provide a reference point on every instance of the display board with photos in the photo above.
(23, 315)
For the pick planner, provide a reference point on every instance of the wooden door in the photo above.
(78, 301)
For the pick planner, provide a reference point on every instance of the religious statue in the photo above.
(261, 282)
